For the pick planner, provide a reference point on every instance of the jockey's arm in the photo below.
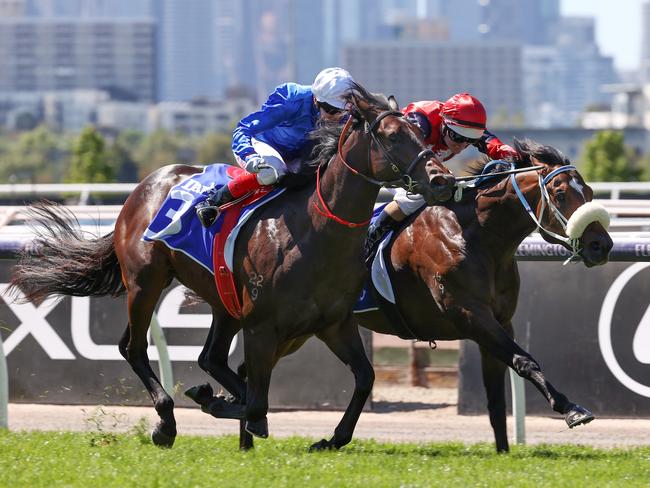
(277, 109)
(495, 149)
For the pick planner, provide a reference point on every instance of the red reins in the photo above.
(327, 212)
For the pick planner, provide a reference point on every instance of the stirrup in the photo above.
(372, 243)
(207, 213)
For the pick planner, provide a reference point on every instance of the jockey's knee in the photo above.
(270, 175)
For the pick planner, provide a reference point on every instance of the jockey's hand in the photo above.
(254, 163)
(509, 152)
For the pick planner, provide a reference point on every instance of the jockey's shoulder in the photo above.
(292, 91)
(423, 106)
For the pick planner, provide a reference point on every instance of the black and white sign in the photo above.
(64, 351)
(589, 329)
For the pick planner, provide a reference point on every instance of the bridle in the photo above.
(405, 180)
(572, 244)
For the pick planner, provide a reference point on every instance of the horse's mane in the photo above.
(527, 149)
(327, 133)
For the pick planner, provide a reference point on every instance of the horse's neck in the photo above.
(506, 218)
(348, 196)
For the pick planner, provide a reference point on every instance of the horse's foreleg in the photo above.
(260, 349)
(489, 334)
(133, 346)
(344, 341)
(494, 382)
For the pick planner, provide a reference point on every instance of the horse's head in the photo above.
(565, 213)
(397, 153)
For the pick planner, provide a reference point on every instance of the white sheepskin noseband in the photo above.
(585, 215)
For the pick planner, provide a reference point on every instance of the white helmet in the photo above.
(331, 85)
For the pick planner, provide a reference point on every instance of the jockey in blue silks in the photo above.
(264, 140)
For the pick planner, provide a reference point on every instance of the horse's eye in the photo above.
(393, 137)
(560, 197)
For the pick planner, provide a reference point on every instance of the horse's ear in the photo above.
(392, 102)
(364, 108)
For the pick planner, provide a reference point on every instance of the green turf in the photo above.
(109, 460)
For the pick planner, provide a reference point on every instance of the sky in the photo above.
(618, 27)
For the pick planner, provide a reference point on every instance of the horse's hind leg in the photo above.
(214, 360)
(487, 331)
(133, 346)
(214, 356)
(344, 341)
(494, 373)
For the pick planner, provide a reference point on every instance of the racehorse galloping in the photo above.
(289, 263)
(454, 273)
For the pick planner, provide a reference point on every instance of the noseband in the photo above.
(405, 181)
(572, 244)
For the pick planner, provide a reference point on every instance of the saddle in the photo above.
(226, 235)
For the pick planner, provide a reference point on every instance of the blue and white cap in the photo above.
(331, 85)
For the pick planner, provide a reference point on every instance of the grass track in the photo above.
(107, 459)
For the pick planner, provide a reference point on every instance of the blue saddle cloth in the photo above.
(366, 300)
(176, 223)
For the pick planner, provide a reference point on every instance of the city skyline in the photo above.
(610, 17)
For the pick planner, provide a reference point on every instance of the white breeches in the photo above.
(407, 204)
(277, 169)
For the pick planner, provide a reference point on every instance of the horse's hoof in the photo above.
(321, 445)
(258, 428)
(578, 416)
(219, 407)
(162, 439)
(201, 394)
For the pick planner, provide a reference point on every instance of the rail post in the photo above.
(164, 364)
(518, 406)
(4, 389)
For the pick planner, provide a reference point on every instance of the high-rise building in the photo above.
(186, 50)
(436, 70)
(13, 8)
(645, 42)
(116, 55)
(563, 79)
(530, 22)
(89, 8)
(523, 21)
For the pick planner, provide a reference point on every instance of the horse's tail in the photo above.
(65, 260)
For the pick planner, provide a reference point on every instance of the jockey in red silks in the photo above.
(265, 140)
(448, 128)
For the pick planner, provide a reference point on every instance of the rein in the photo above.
(464, 182)
(405, 181)
(572, 245)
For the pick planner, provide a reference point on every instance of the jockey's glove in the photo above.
(254, 163)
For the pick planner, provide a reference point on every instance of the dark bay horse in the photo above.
(454, 272)
(298, 263)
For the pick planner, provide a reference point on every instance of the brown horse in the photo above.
(297, 265)
(454, 273)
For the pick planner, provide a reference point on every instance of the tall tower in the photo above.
(185, 42)
(645, 42)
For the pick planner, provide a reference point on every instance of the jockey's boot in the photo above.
(208, 210)
(377, 230)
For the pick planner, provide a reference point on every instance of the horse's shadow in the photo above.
(383, 406)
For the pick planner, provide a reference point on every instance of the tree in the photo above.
(120, 158)
(35, 157)
(90, 162)
(606, 158)
(215, 148)
(160, 148)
